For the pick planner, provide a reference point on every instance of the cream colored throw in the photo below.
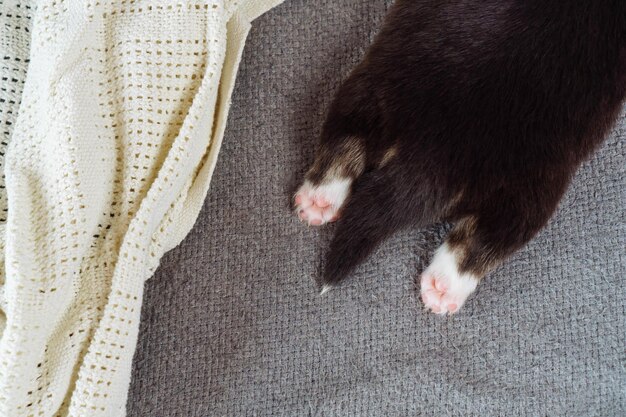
(108, 163)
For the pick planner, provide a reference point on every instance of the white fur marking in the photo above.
(336, 191)
(308, 198)
(325, 289)
(444, 289)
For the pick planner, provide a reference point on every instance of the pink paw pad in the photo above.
(437, 296)
(317, 205)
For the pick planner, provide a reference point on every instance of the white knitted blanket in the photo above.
(108, 162)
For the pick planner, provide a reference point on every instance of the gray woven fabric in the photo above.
(233, 325)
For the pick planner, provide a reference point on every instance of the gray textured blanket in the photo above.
(233, 324)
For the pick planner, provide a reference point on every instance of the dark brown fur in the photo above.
(477, 112)
(346, 159)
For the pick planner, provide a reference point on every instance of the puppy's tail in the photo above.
(377, 208)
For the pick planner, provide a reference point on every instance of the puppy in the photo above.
(467, 111)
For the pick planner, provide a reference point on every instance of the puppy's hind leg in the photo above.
(479, 243)
(328, 183)
(353, 119)
(445, 284)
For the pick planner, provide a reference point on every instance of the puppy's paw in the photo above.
(443, 294)
(321, 204)
(443, 289)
